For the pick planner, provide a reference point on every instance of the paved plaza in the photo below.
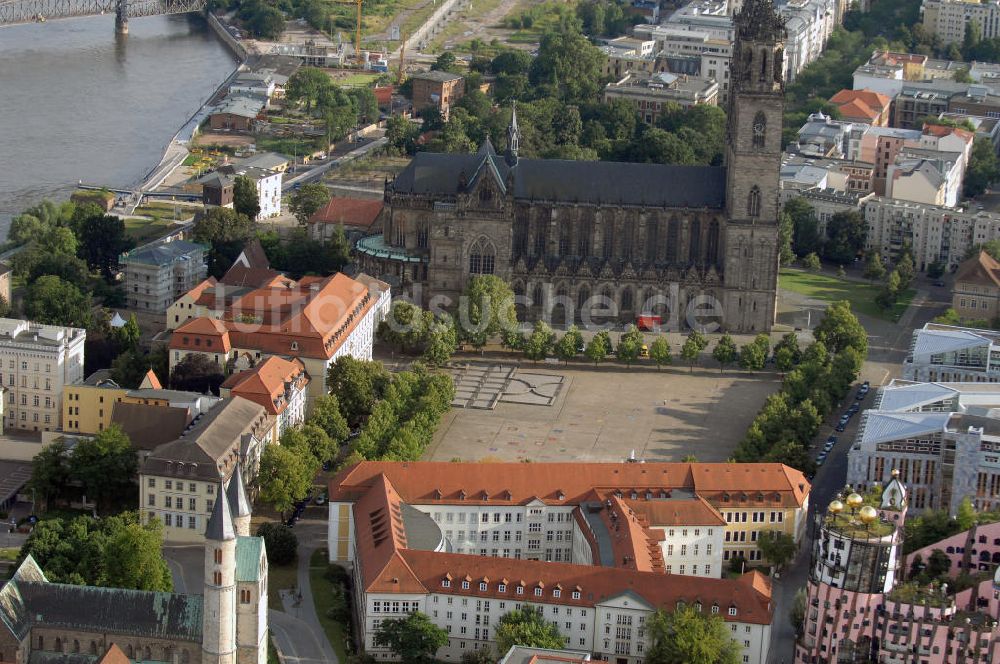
(603, 413)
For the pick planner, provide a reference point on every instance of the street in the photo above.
(888, 346)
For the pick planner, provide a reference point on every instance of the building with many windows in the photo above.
(941, 439)
(36, 361)
(277, 384)
(862, 606)
(976, 293)
(178, 480)
(597, 548)
(158, 273)
(946, 353)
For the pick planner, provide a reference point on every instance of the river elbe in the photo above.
(77, 103)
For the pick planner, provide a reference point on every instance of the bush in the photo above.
(280, 542)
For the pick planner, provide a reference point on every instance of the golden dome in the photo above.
(854, 501)
(867, 514)
(836, 507)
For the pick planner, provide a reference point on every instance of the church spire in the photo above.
(220, 524)
(513, 137)
(236, 495)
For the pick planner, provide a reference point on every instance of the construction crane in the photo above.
(357, 29)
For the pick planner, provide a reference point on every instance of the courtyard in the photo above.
(604, 413)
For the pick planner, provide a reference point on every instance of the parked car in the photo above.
(853, 410)
(831, 439)
(820, 458)
(842, 424)
(827, 447)
(863, 391)
(320, 499)
(939, 283)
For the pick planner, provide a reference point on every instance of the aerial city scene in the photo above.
(500, 331)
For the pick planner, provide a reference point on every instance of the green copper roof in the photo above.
(248, 553)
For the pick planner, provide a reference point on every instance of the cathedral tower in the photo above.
(219, 615)
(237, 497)
(753, 161)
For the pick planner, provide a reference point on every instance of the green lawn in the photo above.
(9, 554)
(358, 80)
(144, 230)
(323, 599)
(829, 288)
(280, 577)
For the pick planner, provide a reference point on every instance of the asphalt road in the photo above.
(888, 346)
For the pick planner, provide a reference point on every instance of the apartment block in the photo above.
(36, 361)
(596, 548)
(178, 480)
(277, 384)
(948, 19)
(158, 273)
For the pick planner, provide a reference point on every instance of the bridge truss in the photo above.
(28, 11)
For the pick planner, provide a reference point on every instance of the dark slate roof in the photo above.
(563, 181)
(113, 610)
(148, 427)
(236, 494)
(220, 524)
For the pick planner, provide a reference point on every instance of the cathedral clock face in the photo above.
(758, 128)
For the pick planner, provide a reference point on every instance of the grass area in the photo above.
(374, 165)
(280, 577)
(323, 598)
(9, 553)
(418, 17)
(459, 24)
(531, 19)
(829, 288)
(146, 230)
(289, 145)
(358, 80)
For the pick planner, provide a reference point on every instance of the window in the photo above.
(753, 202)
(152, 482)
(482, 257)
(244, 596)
(192, 504)
(217, 578)
(759, 129)
(538, 592)
(732, 610)
(168, 519)
(502, 588)
(192, 522)
(446, 583)
(520, 590)
(465, 585)
(482, 586)
(151, 501)
(168, 501)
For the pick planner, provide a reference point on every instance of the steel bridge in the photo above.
(36, 11)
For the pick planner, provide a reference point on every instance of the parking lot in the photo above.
(603, 413)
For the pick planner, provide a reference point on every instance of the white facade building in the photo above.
(942, 438)
(468, 543)
(945, 353)
(36, 361)
(948, 18)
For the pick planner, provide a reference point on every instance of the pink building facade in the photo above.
(859, 608)
(975, 550)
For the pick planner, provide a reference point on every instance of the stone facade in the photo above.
(599, 239)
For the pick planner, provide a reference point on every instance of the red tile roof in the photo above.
(150, 381)
(865, 105)
(113, 655)
(735, 485)
(942, 130)
(693, 512)
(265, 383)
(308, 319)
(357, 212)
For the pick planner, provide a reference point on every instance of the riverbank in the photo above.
(177, 150)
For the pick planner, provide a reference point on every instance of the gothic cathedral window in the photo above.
(759, 129)
(482, 257)
(753, 202)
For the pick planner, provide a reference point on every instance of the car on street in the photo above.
(853, 410)
(831, 439)
(820, 458)
(842, 424)
(827, 447)
(939, 283)
(863, 391)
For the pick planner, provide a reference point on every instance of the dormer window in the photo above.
(446, 583)
(538, 592)
(576, 594)
(482, 587)
(502, 588)
(732, 610)
(465, 585)
(295, 345)
(557, 593)
(520, 590)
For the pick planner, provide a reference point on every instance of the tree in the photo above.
(307, 85)
(840, 329)
(52, 301)
(936, 269)
(567, 67)
(105, 465)
(983, 168)
(805, 227)
(406, 326)
(308, 200)
(811, 262)
(358, 384)
(267, 23)
(313, 440)
(724, 352)
(659, 351)
(776, 547)
(326, 414)
(280, 542)
(596, 350)
(526, 627)
(197, 373)
(442, 340)
(566, 347)
(693, 345)
(246, 201)
(129, 334)
(965, 516)
(226, 231)
(845, 233)
(285, 476)
(905, 269)
(786, 231)
(102, 241)
(630, 345)
(486, 309)
(539, 343)
(402, 134)
(446, 62)
(133, 557)
(49, 472)
(890, 291)
(949, 317)
(874, 269)
(753, 356)
(116, 551)
(414, 639)
(687, 635)
(797, 614)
